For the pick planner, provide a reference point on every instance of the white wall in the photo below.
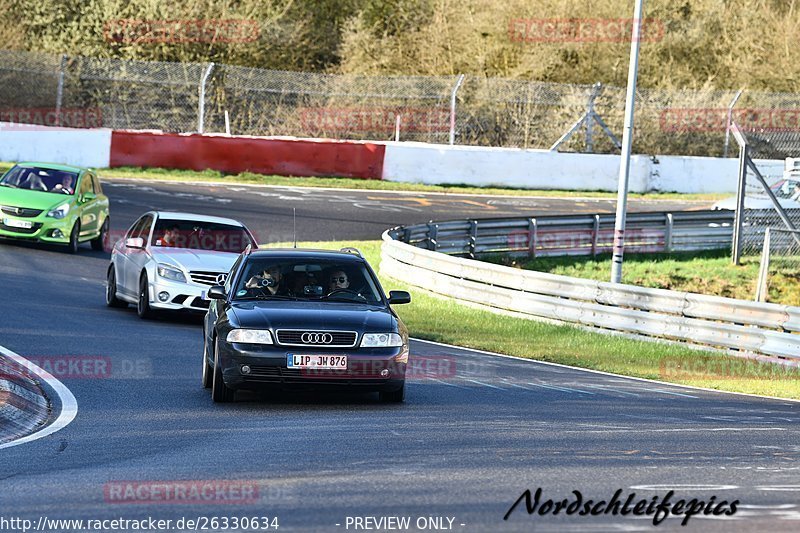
(81, 147)
(543, 169)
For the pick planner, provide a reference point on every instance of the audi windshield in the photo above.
(196, 235)
(318, 280)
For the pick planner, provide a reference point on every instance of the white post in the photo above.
(201, 105)
(397, 127)
(627, 140)
(730, 121)
(763, 270)
(60, 88)
(227, 123)
(459, 81)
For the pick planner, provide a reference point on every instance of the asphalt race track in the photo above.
(327, 215)
(475, 432)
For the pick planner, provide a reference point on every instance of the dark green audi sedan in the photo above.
(304, 319)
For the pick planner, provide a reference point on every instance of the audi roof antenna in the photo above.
(294, 220)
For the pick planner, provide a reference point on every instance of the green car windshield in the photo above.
(40, 179)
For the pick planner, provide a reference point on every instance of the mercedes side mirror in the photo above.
(399, 297)
(137, 243)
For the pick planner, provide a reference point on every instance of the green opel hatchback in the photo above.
(52, 203)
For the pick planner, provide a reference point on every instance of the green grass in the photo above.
(362, 184)
(710, 272)
(442, 320)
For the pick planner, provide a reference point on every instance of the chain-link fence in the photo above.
(486, 112)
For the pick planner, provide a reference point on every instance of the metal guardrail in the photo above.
(412, 254)
(555, 235)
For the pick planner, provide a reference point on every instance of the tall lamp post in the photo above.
(627, 139)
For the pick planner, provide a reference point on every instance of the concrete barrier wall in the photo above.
(392, 161)
(543, 169)
(81, 147)
(283, 156)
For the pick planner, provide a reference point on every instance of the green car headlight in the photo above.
(250, 336)
(59, 212)
(170, 272)
(381, 340)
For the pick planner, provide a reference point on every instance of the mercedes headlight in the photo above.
(171, 272)
(381, 340)
(250, 336)
(59, 212)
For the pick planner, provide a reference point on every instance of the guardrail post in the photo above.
(668, 235)
(595, 234)
(473, 237)
(532, 237)
(432, 231)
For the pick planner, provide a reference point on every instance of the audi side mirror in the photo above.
(217, 292)
(399, 297)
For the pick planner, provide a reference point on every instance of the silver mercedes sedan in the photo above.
(167, 261)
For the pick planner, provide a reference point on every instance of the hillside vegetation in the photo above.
(725, 44)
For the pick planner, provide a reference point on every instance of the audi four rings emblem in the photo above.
(221, 278)
(316, 338)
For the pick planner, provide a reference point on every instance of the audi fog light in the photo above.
(381, 340)
(250, 336)
(171, 272)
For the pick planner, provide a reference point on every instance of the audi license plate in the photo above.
(333, 362)
(12, 223)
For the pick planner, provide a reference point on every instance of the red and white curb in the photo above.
(25, 407)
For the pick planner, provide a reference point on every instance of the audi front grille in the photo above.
(207, 278)
(317, 338)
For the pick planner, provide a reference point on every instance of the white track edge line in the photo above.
(69, 405)
(439, 193)
(645, 380)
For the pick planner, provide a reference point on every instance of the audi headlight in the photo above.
(381, 340)
(250, 336)
(59, 212)
(171, 272)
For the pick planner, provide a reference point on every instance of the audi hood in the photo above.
(313, 316)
